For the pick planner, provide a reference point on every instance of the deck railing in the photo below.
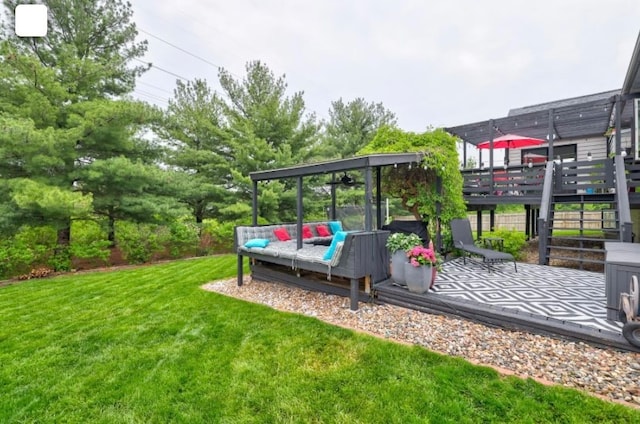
(512, 180)
(624, 210)
(582, 177)
(545, 207)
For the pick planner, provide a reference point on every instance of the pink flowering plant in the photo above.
(419, 255)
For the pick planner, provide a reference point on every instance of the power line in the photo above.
(208, 62)
(162, 70)
(181, 49)
(150, 95)
(154, 86)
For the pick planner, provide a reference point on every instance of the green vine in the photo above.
(416, 186)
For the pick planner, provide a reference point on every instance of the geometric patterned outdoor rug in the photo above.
(562, 293)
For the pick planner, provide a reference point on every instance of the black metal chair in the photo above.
(463, 240)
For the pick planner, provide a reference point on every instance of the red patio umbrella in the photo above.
(511, 141)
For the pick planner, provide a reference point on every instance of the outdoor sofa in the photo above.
(356, 254)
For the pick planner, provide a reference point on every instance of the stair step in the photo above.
(604, 230)
(601, 221)
(584, 219)
(577, 202)
(576, 259)
(577, 238)
(576, 249)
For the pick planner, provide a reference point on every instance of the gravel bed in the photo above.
(607, 373)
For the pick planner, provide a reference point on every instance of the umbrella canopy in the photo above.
(510, 141)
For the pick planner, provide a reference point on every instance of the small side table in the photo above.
(491, 242)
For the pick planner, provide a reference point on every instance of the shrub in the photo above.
(29, 248)
(138, 242)
(218, 235)
(89, 241)
(183, 238)
(514, 241)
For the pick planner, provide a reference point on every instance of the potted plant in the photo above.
(399, 244)
(418, 271)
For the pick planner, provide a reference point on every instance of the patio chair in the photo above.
(463, 240)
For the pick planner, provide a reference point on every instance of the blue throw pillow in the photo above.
(337, 238)
(335, 226)
(257, 243)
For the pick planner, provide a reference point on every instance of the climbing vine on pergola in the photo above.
(417, 186)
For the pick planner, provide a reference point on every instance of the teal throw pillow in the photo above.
(257, 243)
(337, 238)
(335, 226)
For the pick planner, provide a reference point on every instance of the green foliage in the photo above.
(183, 238)
(62, 112)
(138, 242)
(61, 259)
(416, 186)
(509, 208)
(29, 248)
(402, 241)
(217, 235)
(352, 126)
(89, 241)
(267, 129)
(514, 241)
(201, 152)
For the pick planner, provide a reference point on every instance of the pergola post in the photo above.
(254, 204)
(368, 200)
(300, 212)
(378, 198)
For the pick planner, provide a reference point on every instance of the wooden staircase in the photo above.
(580, 211)
(578, 226)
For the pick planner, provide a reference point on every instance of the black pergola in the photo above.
(587, 116)
(370, 165)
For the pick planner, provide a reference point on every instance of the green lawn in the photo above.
(148, 345)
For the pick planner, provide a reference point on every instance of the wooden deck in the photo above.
(554, 301)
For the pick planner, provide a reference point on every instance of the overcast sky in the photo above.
(438, 62)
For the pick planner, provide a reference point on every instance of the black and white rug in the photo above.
(561, 293)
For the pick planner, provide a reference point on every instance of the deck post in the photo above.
(479, 224)
(618, 125)
(527, 221)
(354, 294)
(492, 220)
(550, 136)
(379, 222)
(491, 180)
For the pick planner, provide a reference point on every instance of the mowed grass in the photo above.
(148, 345)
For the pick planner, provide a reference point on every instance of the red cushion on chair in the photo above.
(306, 232)
(282, 234)
(323, 230)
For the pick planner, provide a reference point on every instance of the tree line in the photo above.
(79, 154)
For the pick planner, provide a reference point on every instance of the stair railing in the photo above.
(622, 197)
(545, 213)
